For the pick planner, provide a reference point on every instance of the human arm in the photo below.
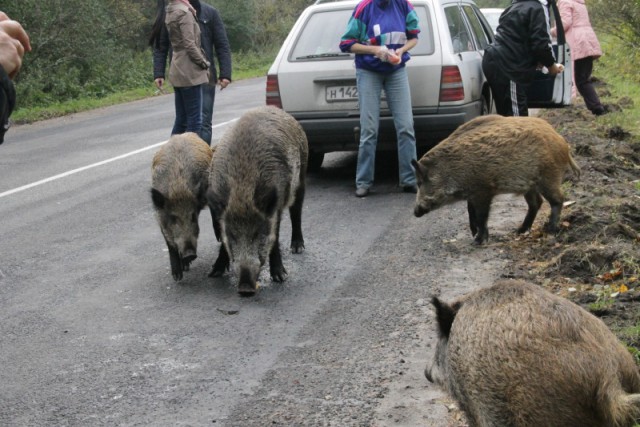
(222, 49)
(540, 39)
(160, 54)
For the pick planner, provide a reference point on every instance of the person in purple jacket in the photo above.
(381, 33)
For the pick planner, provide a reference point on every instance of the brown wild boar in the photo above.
(179, 182)
(493, 155)
(258, 170)
(517, 355)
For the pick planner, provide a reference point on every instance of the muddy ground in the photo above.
(595, 259)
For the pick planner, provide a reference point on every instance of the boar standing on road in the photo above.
(258, 171)
(493, 155)
(516, 355)
(179, 182)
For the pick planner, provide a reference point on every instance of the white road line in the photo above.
(84, 168)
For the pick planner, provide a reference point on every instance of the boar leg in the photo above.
(472, 218)
(295, 212)
(481, 206)
(534, 201)
(176, 262)
(276, 268)
(555, 199)
(222, 263)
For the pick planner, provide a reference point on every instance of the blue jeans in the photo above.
(208, 96)
(396, 87)
(188, 102)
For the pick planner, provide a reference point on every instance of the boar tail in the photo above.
(574, 166)
(623, 411)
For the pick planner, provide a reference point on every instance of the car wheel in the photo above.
(315, 161)
(486, 106)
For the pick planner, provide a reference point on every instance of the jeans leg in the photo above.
(396, 87)
(208, 97)
(193, 108)
(180, 124)
(369, 91)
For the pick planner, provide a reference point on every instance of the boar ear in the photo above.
(266, 199)
(158, 198)
(446, 314)
(421, 172)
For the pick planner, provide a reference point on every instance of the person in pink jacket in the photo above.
(585, 48)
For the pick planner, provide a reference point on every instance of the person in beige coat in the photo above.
(189, 68)
(585, 48)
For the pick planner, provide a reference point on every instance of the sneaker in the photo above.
(410, 189)
(362, 192)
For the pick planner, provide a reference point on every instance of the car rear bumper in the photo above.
(339, 130)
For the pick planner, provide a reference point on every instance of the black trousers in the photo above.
(583, 69)
(510, 97)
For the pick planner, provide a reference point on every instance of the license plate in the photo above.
(341, 93)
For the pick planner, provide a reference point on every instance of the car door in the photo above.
(553, 91)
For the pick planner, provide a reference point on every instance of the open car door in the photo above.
(553, 91)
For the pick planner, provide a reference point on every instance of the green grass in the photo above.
(245, 65)
(618, 68)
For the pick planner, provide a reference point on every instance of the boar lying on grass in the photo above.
(258, 171)
(179, 182)
(516, 355)
(493, 155)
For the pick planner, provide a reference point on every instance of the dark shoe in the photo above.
(602, 110)
(410, 189)
(362, 192)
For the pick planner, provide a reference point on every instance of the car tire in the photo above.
(315, 161)
(486, 106)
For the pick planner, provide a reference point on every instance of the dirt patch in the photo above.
(595, 259)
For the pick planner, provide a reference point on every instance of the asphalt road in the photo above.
(94, 331)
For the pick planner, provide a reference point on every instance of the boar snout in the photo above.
(188, 257)
(248, 284)
(418, 211)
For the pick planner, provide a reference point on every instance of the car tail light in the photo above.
(273, 91)
(451, 87)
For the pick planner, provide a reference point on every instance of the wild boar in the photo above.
(493, 155)
(259, 170)
(179, 183)
(517, 355)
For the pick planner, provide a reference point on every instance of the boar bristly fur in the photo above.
(258, 171)
(179, 182)
(493, 155)
(517, 355)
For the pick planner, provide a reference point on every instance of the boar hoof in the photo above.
(551, 229)
(297, 247)
(278, 274)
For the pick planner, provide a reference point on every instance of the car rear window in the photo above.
(321, 34)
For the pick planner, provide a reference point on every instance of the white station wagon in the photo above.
(316, 83)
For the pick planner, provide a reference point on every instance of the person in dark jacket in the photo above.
(214, 40)
(522, 45)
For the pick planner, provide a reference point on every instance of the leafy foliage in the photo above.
(93, 48)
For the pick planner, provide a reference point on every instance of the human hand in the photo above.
(14, 42)
(223, 83)
(382, 53)
(159, 82)
(555, 69)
